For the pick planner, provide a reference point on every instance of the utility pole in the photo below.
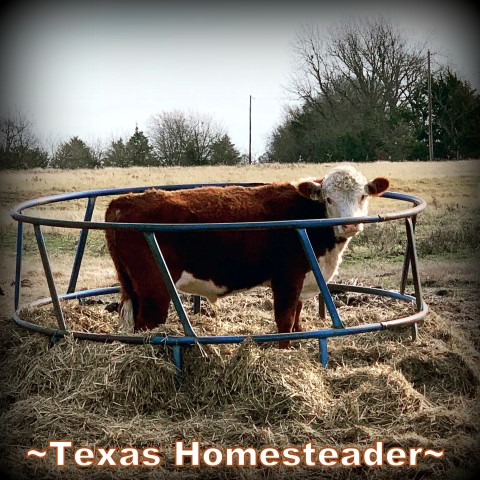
(430, 129)
(250, 133)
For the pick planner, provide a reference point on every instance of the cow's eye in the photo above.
(363, 197)
(329, 200)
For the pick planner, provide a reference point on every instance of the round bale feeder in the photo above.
(176, 343)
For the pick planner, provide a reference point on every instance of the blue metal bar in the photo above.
(322, 342)
(215, 340)
(413, 261)
(406, 260)
(405, 269)
(173, 340)
(327, 297)
(167, 278)
(50, 281)
(177, 357)
(61, 197)
(414, 331)
(333, 287)
(339, 287)
(121, 191)
(17, 214)
(18, 264)
(268, 337)
(80, 249)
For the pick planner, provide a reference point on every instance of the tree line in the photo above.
(361, 91)
(362, 87)
(174, 139)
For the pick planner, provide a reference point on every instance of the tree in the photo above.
(19, 146)
(74, 154)
(179, 139)
(116, 155)
(357, 83)
(169, 134)
(365, 60)
(456, 117)
(224, 152)
(139, 151)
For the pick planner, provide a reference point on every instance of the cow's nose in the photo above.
(351, 229)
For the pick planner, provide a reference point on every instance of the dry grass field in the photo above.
(377, 387)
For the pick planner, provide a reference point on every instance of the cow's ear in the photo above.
(377, 186)
(311, 189)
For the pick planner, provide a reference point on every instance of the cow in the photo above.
(213, 264)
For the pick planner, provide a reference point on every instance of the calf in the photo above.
(214, 264)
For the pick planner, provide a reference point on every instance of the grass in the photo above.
(447, 227)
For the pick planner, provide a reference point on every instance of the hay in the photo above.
(376, 396)
(378, 386)
(262, 384)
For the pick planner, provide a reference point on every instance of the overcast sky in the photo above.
(96, 71)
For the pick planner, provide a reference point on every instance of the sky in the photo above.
(98, 69)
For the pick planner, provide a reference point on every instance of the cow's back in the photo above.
(237, 259)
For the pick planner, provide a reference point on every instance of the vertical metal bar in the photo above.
(196, 304)
(406, 261)
(414, 331)
(405, 269)
(80, 249)
(322, 342)
(18, 265)
(413, 260)
(177, 356)
(50, 281)
(327, 297)
(167, 278)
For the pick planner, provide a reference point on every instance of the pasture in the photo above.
(378, 387)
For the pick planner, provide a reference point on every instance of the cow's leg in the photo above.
(153, 302)
(322, 309)
(145, 299)
(152, 295)
(152, 311)
(286, 299)
(297, 327)
(128, 306)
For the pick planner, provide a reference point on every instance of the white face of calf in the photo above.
(345, 192)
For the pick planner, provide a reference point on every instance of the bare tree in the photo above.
(178, 139)
(19, 146)
(168, 132)
(361, 60)
(16, 131)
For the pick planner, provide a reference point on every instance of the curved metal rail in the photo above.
(190, 338)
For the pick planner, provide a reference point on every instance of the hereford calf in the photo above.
(214, 263)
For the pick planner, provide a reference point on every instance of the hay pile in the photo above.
(377, 387)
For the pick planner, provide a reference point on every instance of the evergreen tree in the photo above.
(224, 152)
(116, 155)
(139, 151)
(456, 117)
(74, 154)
